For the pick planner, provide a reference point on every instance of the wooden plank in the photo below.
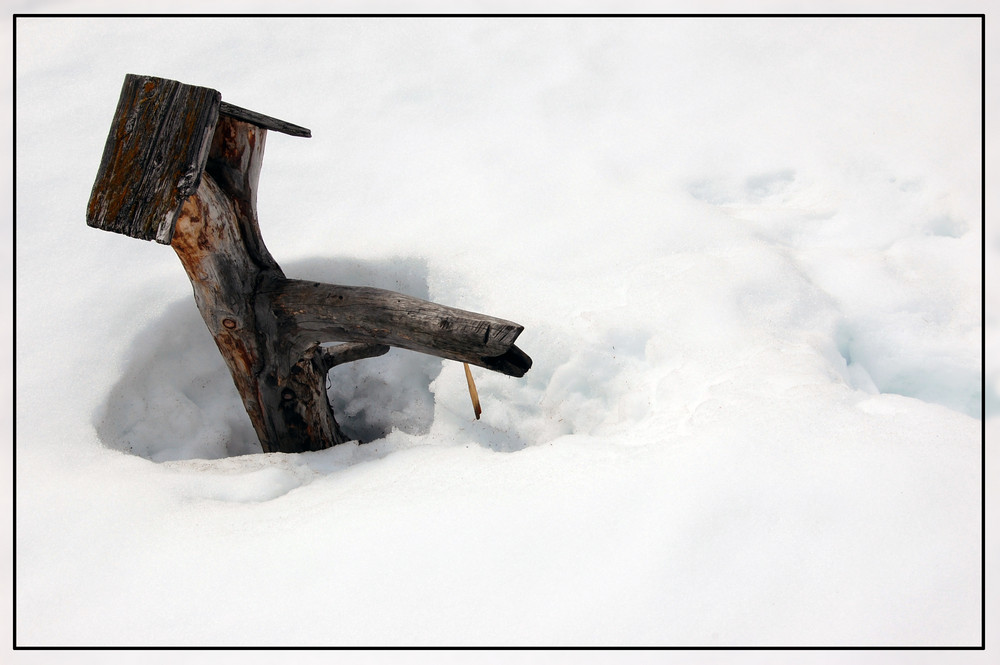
(154, 156)
(261, 120)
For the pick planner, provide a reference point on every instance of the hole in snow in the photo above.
(176, 399)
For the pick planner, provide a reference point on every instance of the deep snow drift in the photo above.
(746, 254)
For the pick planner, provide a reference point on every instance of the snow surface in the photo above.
(747, 256)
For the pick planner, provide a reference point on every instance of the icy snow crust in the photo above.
(746, 254)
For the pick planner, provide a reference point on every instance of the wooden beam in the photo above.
(311, 312)
(153, 158)
(261, 120)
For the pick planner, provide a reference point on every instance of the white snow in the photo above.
(747, 256)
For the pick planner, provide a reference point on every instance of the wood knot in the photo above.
(229, 323)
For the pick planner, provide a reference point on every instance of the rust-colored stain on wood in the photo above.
(205, 242)
(153, 158)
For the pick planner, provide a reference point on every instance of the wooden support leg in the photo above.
(218, 241)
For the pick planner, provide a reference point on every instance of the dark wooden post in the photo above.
(181, 167)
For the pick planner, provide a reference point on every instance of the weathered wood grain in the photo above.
(349, 352)
(235, 162)
(265, 121)
(310, 312)
(153, 158)
(208, 242)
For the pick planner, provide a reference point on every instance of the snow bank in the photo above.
(751, 294)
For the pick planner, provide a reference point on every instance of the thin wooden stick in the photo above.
(472, 391)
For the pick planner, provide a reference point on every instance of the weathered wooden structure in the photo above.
(181, 167)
